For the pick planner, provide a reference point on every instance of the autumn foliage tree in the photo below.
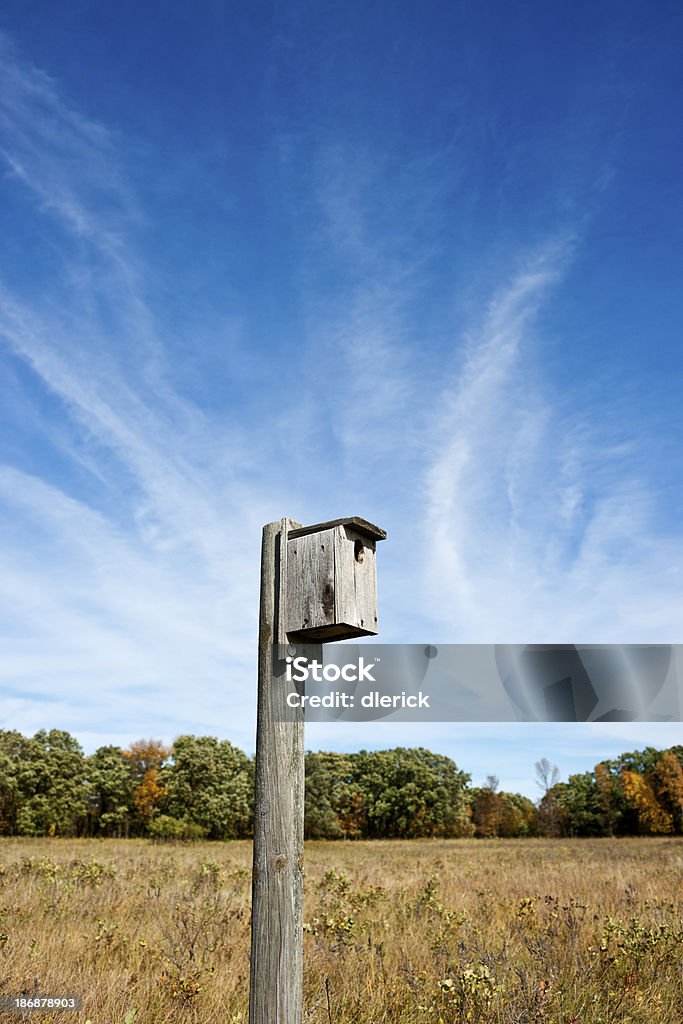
(146, 759)
(667, 782)
(487, 809)
(639, 795)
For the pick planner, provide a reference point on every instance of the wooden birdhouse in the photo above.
(332, 581)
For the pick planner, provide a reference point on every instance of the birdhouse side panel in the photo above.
(310, 582)
(356, 580)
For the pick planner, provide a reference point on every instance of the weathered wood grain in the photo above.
(355, 576)
(311, 581)
(331, 586)
(277, 886)
(356, 522)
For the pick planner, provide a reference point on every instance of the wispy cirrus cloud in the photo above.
(541, 527)
(65, 159)
(128, 589)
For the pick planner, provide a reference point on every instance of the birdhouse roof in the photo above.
(361, 526)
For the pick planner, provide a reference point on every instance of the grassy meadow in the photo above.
(397, 932)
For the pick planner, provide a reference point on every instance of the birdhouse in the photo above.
(332, 581)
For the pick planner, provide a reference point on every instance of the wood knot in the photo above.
(328, 600)
(280, 862)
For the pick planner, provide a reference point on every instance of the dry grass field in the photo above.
(421, 932)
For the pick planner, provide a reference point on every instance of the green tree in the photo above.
(210, 783)
(579, 805)
(333, 805)
(610, 796)
(51, 785)
(110, 791)
(12, 753)
(639, 761)
(411, 793)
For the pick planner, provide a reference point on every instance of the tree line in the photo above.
(202, 787)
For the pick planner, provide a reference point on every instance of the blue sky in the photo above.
(419, 263)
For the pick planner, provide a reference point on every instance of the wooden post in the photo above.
(317, 587)
(277, 887)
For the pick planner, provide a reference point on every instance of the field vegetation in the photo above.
(535, 931)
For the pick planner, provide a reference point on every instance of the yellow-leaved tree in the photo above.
(639, 795)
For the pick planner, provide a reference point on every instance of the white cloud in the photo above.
(539, 530)
(130, 591)
(66, 160)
